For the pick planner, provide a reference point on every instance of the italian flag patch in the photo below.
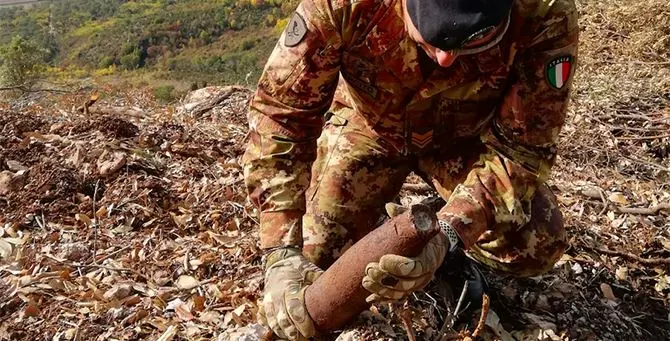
(558, 71)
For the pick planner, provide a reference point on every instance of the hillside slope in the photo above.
(217, 40)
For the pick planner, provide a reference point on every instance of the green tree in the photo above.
(132, 60)
(22, 63)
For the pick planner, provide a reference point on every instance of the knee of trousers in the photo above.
(324, 238)
(532, 249)
(331, 227)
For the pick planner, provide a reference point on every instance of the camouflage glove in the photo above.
(287, 275)
(395, 277)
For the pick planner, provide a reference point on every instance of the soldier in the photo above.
(469, 94)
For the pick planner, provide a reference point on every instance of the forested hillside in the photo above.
(220, 41)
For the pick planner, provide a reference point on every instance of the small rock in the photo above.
(107, 168)
(540, 321)
(10, 182)
(119, 292)
(607, 291)
(19, 179)
(543, 303)
(253, 332)
(56, 127)
(16, 166)
(577, 269)
(74, 252)
(5, 182)
(509, 292)
(622, 273)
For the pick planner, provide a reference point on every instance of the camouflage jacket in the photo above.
(355, 58)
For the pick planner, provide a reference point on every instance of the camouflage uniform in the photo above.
(481, 131)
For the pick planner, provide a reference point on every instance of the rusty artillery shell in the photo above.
(338, 296)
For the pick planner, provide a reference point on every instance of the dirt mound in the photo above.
(116, 127)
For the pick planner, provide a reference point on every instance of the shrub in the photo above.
(164, 93)
(106, 62)
(131, 61)
(248, 44)
(22, 63)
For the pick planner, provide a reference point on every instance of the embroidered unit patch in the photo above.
(295, 31)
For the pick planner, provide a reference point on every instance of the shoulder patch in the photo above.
(295, 31)
(558, 71)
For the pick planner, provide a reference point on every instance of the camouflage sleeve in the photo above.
(285, 119)
(521, 139)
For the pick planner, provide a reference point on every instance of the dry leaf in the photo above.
(32, 310)
(131, 301)
(15, 166)
(240, 310)
(607, 291)
(540, 321)
(172, 305)
(184, 312)
(107, 168)
(169, 334)
(213, 317)
(622, 273)
(84, 219)
(70, 333)
(618, 198)
(5, 249)
(134, 317)
(118, 292)
(102, 211)
(187, 282)
(662, 283)
(198, 303)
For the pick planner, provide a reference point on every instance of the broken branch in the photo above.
(482, 319)
(632, 257)
(406, 318)
(644, 211)
(597, 193)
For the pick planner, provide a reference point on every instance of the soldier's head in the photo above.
(446, 29)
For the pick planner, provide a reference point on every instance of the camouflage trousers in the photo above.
(356, 173)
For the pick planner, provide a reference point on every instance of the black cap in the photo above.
(449, 24)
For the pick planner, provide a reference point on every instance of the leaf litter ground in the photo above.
(129, 220)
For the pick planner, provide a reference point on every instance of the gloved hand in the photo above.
(394, 277)
(287, 275)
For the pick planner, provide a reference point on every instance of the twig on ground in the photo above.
(451, 317)
(482, 320)
(599, 194)
(635, 138)
(644, 211)
(648, 163)
(406, 318)
(632, 257)
(114, 253)
(95, 222)
(215, 101)
(606, 203)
